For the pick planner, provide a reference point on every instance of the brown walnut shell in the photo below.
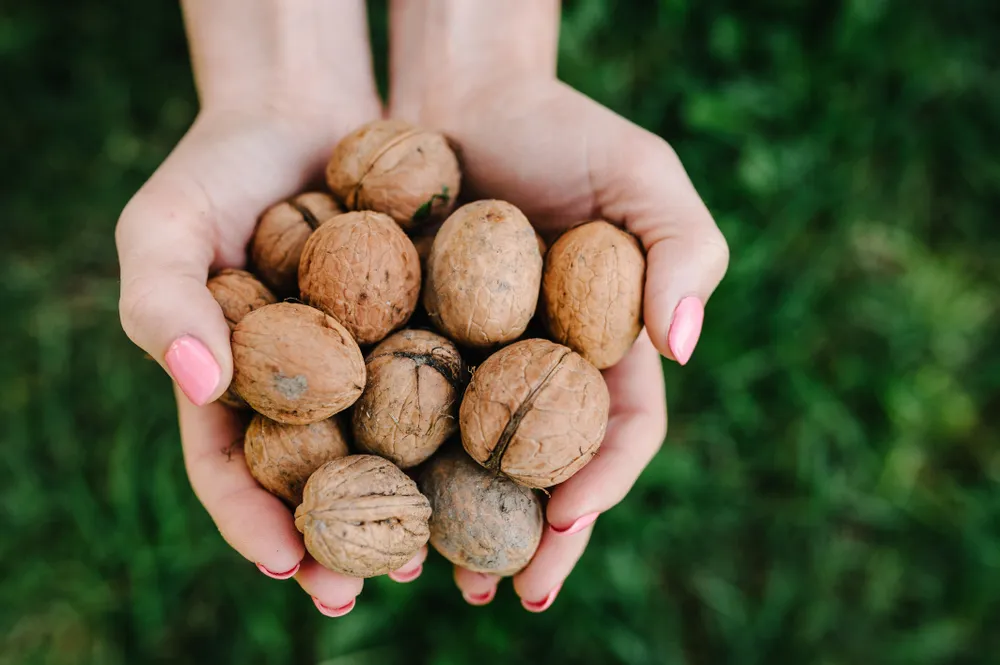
(410, 404)
(480, 521)
(282, 457)
(391, 166)
(592, 291)
(282, 233)
(362, 270)
(535, 411)
(361, 516)
(296, 365)
(238, 293)
(483, 274)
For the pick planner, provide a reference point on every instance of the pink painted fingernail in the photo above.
(686, 328)
(333, 613)
(278, 576)
(409, 576)
(544, 604)
(193, 368)
(480, 599)
(577, 526)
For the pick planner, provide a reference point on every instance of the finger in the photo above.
(539, 583)
(255, 523)
(636, 427)
(412, 569)
(333, 594)
(476, 588)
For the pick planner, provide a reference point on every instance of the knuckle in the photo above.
(136, 308)
(716, 251)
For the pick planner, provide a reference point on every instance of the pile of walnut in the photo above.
(346, 397)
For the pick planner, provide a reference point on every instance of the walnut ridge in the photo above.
(282, 457)
(361, 269)
(535, 411)
(361, 516)
(481, 521)
(410, 403)
(296, 365)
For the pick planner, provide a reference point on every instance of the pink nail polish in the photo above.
(331, 612)
(408, 576)
(685, 328)
(193, 368)
(480, 599)
(278, 576)
(544, 604)
(577, 526)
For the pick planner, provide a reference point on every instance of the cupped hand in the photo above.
(562, 158)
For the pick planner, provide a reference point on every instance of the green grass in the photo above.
(830, 490)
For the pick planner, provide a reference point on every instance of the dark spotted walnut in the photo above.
(592, 291)
(410, 403)
(282, 233)
(361, 269)
(391, 166)
(483, 274)
(481, 521)
(238, 293)
(282, 457)
(361, 516)
(296, 365)
(535, 411)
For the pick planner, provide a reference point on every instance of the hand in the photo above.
(562, 158)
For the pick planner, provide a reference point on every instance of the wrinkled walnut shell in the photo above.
(282, 233)
(238, 293)
(391, 166)
(282, 457)
(483, 274)
(410, 404)
(536, 411)
(361, 516)
(592, 291)
(481, 521)
(362, 270)
(296, 365)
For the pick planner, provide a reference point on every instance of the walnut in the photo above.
(536, 411)
(295, 364)
(483, 274)
(592, 291)
(282, 457)
(238, 293)
(361, 269)
(282, 233)
(361, 516)
(480, 521)
(410, 403)
(391, 166)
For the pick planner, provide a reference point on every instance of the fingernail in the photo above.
(333, 613)
(544, 604)
(193, 368)
(480, 599)
(278, 576)
(577, 526)
(409, 576)
(686, 328)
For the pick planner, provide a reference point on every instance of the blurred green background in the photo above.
(830, 489)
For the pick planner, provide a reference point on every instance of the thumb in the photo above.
(165, 248)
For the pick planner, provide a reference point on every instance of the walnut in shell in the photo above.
(296, 365)
(282, 233)
(391, 166)
(535, 411)
(410, 404)
(592, 291)
(481, 521)
(483, 274)
(361, 516)
(282, 457)
(361, 269)
(238, 293)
